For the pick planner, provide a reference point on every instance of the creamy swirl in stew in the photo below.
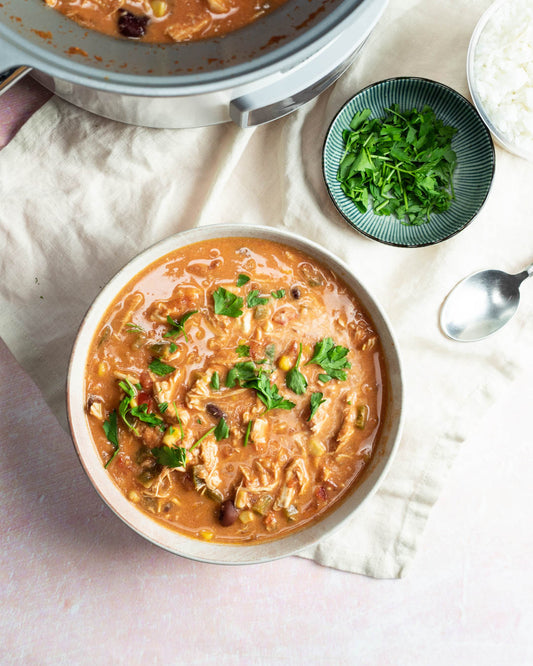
(164, 20)
(235, 390)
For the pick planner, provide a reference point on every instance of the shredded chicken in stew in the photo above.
(164, 20)
(235, 390)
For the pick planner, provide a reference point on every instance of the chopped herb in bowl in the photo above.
(403, 177)
(401, 164)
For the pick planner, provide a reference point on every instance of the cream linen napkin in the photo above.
(82, 195)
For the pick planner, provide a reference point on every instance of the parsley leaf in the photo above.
(170, 456)
(226, 303)
(162, 406)
(331, 358)
(294, 379)
(242, 279)
(222, 430)
(240, 373)
(141, 412)
(317, 399)
(111, 432)
(268, 393)
(243, 350)
(215, 381)
(254, 299)
(280, 293)
(178, 325)
(159, 368)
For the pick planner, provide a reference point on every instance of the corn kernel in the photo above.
(241, 498)
(246, 516)
(134, 496)
(284, 363)
(316, 447)
(102, 369)
(206, 535)
(171, 436)
(159, 7)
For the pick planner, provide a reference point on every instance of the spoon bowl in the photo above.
(481, 304)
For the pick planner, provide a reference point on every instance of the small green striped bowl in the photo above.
(472, 177)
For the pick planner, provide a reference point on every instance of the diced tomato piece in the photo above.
(146, 381)
(321, 493)
(144, 398)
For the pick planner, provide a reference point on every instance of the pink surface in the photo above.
(78, 587)
(17, 104)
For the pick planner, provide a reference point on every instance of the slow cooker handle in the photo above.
(10, 76)
(294, 88)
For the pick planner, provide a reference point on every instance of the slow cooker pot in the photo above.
(251, 76)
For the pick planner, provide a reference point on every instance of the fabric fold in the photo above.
(82, 195)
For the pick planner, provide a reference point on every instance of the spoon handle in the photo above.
(527, 272)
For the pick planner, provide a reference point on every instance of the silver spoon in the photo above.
(481, 304)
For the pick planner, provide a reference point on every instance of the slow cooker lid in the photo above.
(45, 39)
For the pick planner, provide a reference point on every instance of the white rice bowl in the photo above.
(500, 73)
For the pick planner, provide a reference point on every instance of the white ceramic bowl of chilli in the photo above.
(170, 539)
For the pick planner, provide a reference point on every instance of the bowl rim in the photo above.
(447, 89)
(470, 77)
(171, 540)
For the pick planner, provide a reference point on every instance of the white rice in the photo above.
(503, 72)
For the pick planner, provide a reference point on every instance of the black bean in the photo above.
(131, 25)
(215, 411)
(228, 513)
(295, 292)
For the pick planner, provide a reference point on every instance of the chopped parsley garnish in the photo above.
(317, 399)
(403, 164)
(141, 412)
(294, 379)
(331, 358)
(128, 388)
(172, 347)
(170, 456)
(124, 408)
(206, 434)
(215, 381)
(134, 328)
(159, 368)
(270, 352)
(280, 293)
(178, 325)
(242, 279)
(245, 374)
(222, 430)
(240, 373)
(247, 434)
(111, 432)
(162, 406)
(243, 350)
(268, 393)
(226, 303)
(254, 299)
